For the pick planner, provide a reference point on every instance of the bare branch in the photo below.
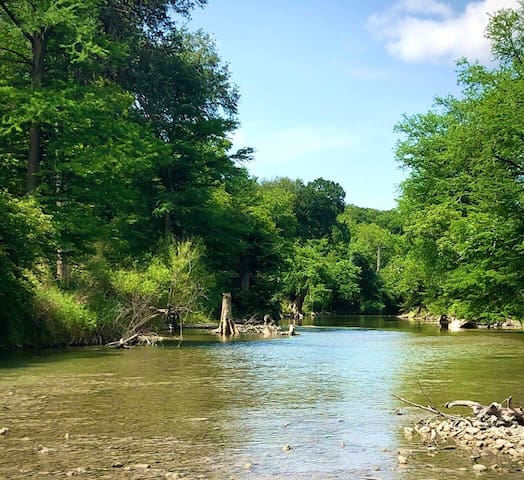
(427, 408)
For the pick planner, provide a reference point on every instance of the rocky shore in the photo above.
(494, 436)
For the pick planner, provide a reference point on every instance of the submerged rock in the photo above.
(479, 468)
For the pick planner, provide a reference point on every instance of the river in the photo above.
(315, 406)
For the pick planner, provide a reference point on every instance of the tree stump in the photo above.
(227, 326)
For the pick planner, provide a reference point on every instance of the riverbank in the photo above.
(493, 437)
(453, 323)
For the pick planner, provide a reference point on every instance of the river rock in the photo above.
(479, 468)
(173, 476)
(117, 465)
(141, 466)
(402, 460)
(44, 451)
(4, 431)
(500, 443)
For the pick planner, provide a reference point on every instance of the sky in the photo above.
(323, 82)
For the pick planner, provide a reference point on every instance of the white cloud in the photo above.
(429, 30)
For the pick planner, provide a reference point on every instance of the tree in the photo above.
(25, 238)
(35, 34)
(317, 206)
(463, 198)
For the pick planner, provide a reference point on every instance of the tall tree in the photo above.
(464, 197)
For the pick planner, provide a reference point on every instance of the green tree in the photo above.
(317, 205)
(463, 199)
(25, 238)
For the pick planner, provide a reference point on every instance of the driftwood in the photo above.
(124, 342)
(495, 431)
(493, 413)
(426, 408)
(151, 339)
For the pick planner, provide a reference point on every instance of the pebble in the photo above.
(173, 476)
(479, 468)
(44, 451)
(142, 466)
(4, 431)
(402, 460)
(117, 465)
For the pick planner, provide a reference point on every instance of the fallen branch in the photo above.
(124, 342)
(493, 413)
(427, 408)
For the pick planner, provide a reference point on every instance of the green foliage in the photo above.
(62, 318)
(317, 206)
(25, 238)
(175, 278)
(319, 276)
(463, 200)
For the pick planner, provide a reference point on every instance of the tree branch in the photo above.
(23, 58)
(520, 169)
(15, 20)
(427, 408)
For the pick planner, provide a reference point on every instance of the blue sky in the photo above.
(323, 82)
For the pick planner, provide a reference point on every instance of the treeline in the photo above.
(463, 202)
(121, 197)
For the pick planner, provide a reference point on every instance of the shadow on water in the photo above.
(33, 357)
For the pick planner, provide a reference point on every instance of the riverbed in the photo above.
(315, 406)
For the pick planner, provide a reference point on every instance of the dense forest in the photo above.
(121, 195)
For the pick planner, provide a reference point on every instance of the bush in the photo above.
(174, 278)
(63, 318)
(25, 234)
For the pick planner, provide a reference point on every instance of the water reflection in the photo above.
(223, 410)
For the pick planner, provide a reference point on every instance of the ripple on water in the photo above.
(210, 409)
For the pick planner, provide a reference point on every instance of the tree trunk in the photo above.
(227, 326)
(245, 274)
(298, 304)
(35, 130)
(62, 267)
(378, 259)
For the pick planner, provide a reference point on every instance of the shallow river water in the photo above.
(225, 410)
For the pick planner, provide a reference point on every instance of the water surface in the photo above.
(226, 410)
